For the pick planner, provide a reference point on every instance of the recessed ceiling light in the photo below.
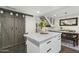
(65, 12)
(38, 12)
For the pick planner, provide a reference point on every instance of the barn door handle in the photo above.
(0, 26)
(16, 28)
(12, 28)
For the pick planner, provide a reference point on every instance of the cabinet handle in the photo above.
(48, 42)
(59, 38)
(48, 50)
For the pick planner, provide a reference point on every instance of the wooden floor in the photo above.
(16, 49)
(22, 49)
(67, 50)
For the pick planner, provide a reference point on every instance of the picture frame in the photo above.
(69, 22)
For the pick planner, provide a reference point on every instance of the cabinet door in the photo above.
(7, 30)
(19, 29)
(56, 44)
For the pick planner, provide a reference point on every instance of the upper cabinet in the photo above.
(69, 22)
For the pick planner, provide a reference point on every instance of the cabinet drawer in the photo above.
(49, 50)
(58, 36)
(51, 45)
(47, 46)
(46, 50)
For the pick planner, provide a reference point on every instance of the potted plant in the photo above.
(42, 24)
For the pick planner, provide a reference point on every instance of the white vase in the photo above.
(43, 29)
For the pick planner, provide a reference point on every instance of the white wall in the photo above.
(30, 24)
(60, 14)
(69, 27)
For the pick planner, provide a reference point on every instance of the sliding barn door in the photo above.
(19, 28)
(12, 28)
(7, 30)
(1, 18)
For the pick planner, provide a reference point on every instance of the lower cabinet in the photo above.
(57, 44)
(52, 45)
(46, 47)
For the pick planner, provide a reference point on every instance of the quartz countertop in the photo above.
(40, 38)
(64, 31)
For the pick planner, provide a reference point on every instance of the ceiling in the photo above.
(34, 10)
(55, 11)
(64, 12)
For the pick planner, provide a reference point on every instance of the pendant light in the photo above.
(16, 14)
(11, 13)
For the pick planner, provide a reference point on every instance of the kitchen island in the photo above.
(43, 43)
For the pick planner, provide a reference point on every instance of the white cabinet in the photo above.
(52, 45)
(56, 44)
(46, 46)
(32, 48)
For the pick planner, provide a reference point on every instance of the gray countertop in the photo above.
(38, 38)
(64, 31)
